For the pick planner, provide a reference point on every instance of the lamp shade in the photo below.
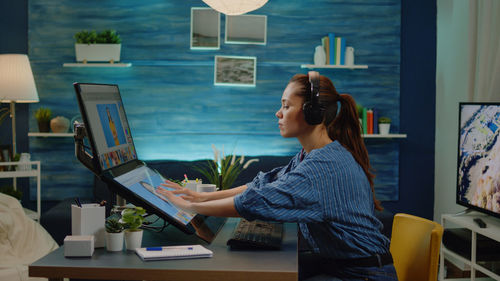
(16, 79)
(235, 7)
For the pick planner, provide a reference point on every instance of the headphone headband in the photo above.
(313, 113)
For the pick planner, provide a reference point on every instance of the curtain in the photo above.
(484, 46)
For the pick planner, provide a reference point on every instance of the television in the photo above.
(478, 165)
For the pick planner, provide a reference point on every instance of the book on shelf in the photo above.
(325, 42)
(363, 119)
(375, 121)
(369, 121)
(339, 51)
(331, 42)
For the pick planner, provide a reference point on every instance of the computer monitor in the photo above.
(114, 160)
(478, 165)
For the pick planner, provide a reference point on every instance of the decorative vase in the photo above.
(114, 241)
(59, 124)
(43, 126)
(349, 56)
(133, 239)
(98, 52)
(319, 56)
(384, 128)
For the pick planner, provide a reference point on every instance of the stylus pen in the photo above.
(167, 248)
(154, 249)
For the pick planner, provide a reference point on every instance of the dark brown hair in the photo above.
(343, 126)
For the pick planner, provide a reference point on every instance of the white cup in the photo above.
(191, 184)
(206, 187)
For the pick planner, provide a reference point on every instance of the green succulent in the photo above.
(384, 120)
(113, 225)
(43, 114)
(92, 37)
(132, 218)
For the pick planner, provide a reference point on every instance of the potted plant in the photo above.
(114, 235)
(9, 190)
(132, 218)
(43, 116)
(93, 46)
(384, 125)
(224, 170)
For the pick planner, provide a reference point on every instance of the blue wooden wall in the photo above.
(173, 107)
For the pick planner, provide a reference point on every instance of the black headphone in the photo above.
(313, 113)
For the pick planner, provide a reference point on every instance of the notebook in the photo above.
(173, 252)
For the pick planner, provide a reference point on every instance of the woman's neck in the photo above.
(318, 138)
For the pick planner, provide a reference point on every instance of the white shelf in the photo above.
(33, 172)
(359, 66)
(379, 136)
(36, 134)
(467, 221)
(107, 64)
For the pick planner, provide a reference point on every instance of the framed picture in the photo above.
(5, 156)
(246, 29)
(235, 71)
(205, 29)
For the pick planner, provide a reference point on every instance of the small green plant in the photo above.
(384, 120)
(4, 111)
(132, 218)
(224, 170)
(92, 37)
(43, 114)
(113, 225)
(9, 190)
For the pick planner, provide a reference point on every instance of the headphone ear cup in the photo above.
(312, 113)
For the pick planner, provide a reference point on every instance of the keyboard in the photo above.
(256, 235)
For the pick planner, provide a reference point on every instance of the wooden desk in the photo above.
(224, 265)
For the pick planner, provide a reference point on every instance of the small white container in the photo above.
(384, 128)
(98, 52)
(206, 187)
(78, 246)
(114, 241)
(89, 219)
(133, 239)
(191, 184)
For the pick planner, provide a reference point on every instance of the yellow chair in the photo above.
(414, 247)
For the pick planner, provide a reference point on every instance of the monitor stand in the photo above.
(81, 154)
(464, 212)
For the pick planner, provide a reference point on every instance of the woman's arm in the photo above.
(218, 207)
(194, 196)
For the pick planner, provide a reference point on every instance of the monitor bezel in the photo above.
(197, 224)
(457, 190)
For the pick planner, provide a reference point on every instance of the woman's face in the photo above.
(290, 116)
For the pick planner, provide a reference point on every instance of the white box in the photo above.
(78, 246)
(89, 220)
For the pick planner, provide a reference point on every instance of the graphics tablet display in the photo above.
(115, 160)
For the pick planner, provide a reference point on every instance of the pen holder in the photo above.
(89, 219)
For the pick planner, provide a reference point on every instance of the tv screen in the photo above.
(478, 169)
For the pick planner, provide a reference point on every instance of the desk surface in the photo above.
(224, 265)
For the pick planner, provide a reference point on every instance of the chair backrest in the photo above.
(414, 247)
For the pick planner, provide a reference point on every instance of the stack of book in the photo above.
(334, 49)
(369, 121)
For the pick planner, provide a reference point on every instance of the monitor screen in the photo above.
(108, 125)
(478, 169)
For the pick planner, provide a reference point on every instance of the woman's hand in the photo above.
(178, 201)
(187, 194)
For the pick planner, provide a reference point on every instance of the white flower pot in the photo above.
(114, 241)
(133, 239)
(98, 52)
(384, 128)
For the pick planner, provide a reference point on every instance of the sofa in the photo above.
(57, 220)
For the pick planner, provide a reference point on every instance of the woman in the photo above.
(327, 187)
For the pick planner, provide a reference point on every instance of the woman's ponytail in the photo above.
(346, 129)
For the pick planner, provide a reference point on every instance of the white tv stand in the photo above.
(466, 221)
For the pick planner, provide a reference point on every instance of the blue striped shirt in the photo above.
(328, 194)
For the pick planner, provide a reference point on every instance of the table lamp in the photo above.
(235, 7)
(17, 85)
